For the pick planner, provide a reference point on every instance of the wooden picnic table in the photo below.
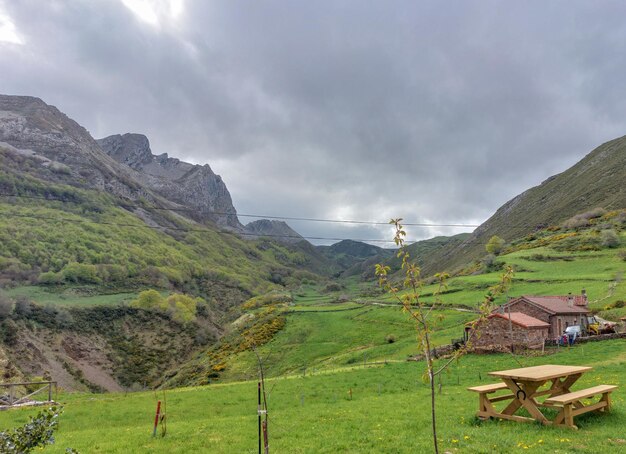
(525, 385)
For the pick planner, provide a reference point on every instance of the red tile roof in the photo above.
(523, 320)
(558, 304)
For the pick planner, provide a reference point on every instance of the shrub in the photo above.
(390, 338)
(332, 287)
(148, 299)
(182, 308)
(495, 245)
(50, 278)
(578, 243)
(6, 305)
(582, 219)
(36, 433)
(80, 273)
(9, 332)
(610, 239)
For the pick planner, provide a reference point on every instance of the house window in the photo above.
(566, 325)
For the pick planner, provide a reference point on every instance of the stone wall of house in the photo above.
(496, 332)
(558, 323)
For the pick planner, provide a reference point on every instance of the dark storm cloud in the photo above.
(436, 112)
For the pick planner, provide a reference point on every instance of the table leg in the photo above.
(527, 401)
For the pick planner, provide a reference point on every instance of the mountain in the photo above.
(277, 230)
(63, 150)
(597, 181)
(194, 186)
(79, 205)
(75, 222)
(354, 257)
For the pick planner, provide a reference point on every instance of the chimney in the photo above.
(570, 299)
(583, 298)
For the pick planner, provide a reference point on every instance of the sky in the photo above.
(436, 112)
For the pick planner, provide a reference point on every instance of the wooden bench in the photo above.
(485, 409)
(571, 404)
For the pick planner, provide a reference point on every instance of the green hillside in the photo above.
(60, 235)
(597, 181)
(356, 324)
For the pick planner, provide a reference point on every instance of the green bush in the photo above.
(50, 278)
(36, 433)
(148, 299)
(80, 273)
(610, 239)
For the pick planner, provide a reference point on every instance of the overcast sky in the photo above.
(437, 112)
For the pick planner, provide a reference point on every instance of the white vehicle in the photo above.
(573, 330)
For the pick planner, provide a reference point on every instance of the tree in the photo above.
(148, 299)
(6, 305)
(182, 308)
(422, 314)
(495, 245)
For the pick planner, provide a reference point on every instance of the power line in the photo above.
(222, 232)
(263, 216)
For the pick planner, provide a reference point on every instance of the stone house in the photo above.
(558, 311)
(503, 330)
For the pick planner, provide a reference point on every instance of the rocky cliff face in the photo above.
(193, 186)
(39, 141)
(59, 149)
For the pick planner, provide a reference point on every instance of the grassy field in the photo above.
(388, 412)
(543, 271)
(70, 297)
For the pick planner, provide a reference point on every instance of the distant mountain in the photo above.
(194, 186)
(356, 249)
(277, 230)
(354, 257)
(598, 180)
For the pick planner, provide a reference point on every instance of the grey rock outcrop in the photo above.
(194, 186)
(60, 150)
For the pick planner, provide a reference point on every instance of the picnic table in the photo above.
(526, 384)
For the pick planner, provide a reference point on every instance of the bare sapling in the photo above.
(408, 294)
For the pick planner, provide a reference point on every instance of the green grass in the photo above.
(388, 413)
(596, 271)
(70, 296)
(327, 339)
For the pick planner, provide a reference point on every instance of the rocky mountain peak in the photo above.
(130, 149)
(195, 186)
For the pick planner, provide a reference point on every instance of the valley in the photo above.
(127, 277)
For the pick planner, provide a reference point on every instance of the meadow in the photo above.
(387, 412)
(339, 379)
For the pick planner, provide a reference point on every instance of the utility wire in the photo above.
(223, 232)
(263, 216)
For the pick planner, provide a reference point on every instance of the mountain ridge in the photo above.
(194, 186)
(596, 181)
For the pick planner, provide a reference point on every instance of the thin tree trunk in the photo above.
(431, 378)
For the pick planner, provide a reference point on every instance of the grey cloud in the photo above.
(426, 110)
